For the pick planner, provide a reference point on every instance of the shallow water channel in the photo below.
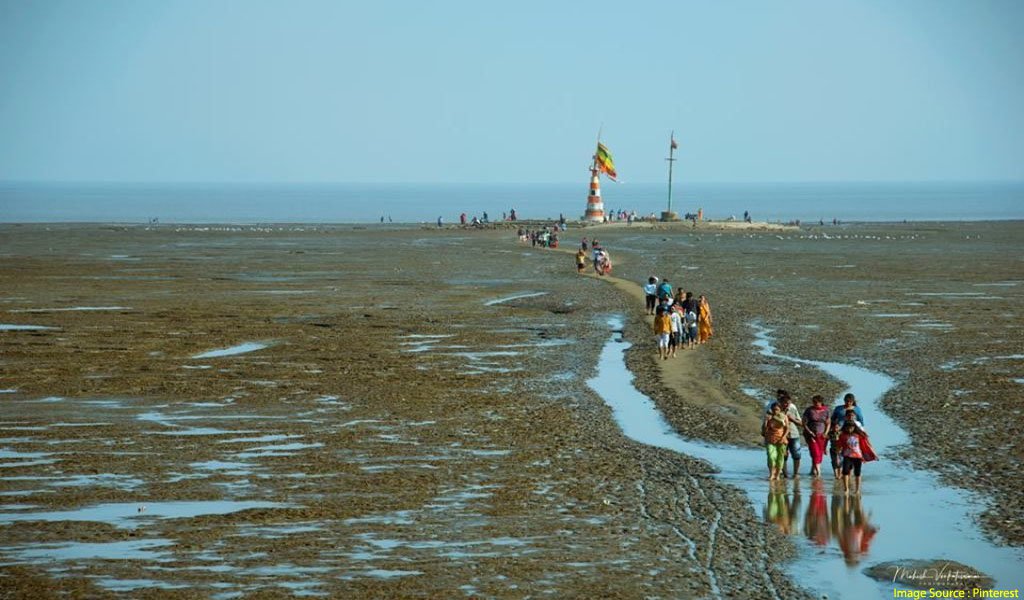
(903, 513)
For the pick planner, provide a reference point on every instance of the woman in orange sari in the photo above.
(704, 328)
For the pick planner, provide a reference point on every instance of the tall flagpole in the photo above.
(668, 215)
(670, 159)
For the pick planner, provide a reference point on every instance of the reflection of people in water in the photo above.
(782, 508)
(816, 520)
(852, 527)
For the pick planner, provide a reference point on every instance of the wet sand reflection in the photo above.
(843, 523)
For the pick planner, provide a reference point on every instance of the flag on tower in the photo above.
(674, 144)
(604, 161)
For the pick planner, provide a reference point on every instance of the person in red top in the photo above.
(855, 449)
(816, 427)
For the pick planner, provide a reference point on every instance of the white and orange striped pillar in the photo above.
(595, 206)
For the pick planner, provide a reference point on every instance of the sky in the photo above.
(491, 92)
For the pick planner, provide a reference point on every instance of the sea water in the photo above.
(418, 203)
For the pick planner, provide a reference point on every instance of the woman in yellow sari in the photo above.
(704, 328)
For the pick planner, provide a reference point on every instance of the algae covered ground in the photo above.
(204, 411)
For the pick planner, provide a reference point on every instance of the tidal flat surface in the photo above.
(402, 435)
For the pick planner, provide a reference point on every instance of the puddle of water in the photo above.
(128, 514)
(277, 450)
(475, 356)
(197, 431)
(389, 573)
(399, 517)
(487, 452)
(276, 531)
(448, 549)
(484, 370)
(128, 585)
(233, 350)
(17, 506)
(905, 522)
(286, 569)
(458, 498)
(511, 298)
(542, 343)
(359, 422)
(28, 463)
(226, 467)
(68, 309)
(753, 393)
(13, 327)
(121, 482)
(167, 420)
(6, 453)
(429, 345)
(932, 325)
(390, 467)
(72, 551)
(273, 437)
(303, 588)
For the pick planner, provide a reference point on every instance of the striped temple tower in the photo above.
(595, 206)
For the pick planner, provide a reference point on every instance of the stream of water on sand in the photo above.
(903, 513)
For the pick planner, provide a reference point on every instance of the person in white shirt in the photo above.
(651, 294)
(677, 331)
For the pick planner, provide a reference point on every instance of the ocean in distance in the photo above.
(419, 203)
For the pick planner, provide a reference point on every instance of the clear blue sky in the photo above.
(477, 91)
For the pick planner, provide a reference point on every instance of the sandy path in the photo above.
(689, 375)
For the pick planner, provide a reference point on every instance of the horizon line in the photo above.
(481, 183)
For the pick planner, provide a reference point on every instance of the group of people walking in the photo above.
(680, 320)
(598, 256)
(546, 237)
(683, 321)
(839, 431)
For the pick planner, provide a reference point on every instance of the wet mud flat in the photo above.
(291, 411)
(935, 306)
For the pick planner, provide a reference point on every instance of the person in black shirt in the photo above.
(691, 303)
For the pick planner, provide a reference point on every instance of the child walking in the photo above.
(690, 327)
(856, 450)
(775, 430)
